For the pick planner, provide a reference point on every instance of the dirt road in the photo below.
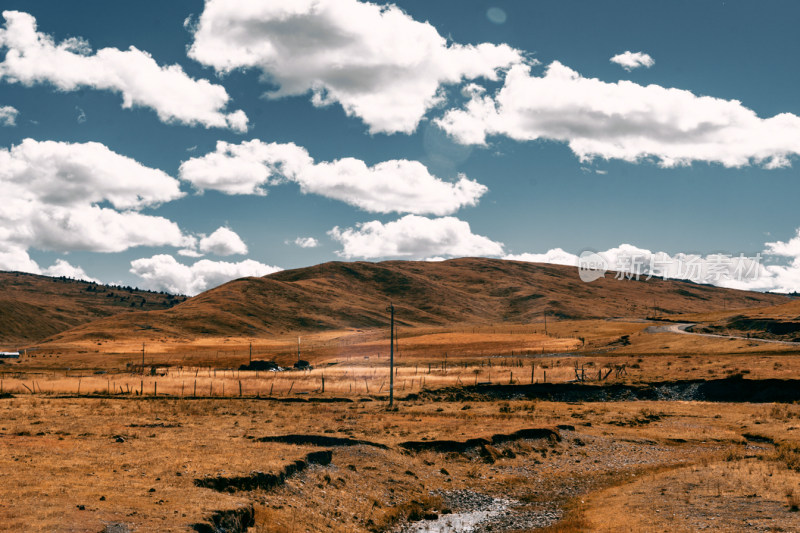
(682, 328)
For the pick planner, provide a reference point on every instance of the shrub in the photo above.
(789, 454)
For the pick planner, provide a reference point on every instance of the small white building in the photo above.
(9, 355)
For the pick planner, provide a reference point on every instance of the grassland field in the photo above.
(94, 440)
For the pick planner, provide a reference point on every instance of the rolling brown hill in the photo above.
(34, 307)
(340, 295)
(778, 322)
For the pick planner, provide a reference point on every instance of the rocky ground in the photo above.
(580, 463)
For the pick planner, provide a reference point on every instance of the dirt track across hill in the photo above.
(684, 328)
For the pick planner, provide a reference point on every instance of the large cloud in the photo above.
(414, 237)
(783, 277)
(554, 256)
(391, 186)
(623, 120)
(64, 268)
(33, 57)
(16, 258)
(376, 61)
(630, 260)
(69, 196)
(735, 271)
(163, 272)
(790, 248)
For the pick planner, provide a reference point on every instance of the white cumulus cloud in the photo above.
(306, 242)
(33, 57)
(223, 242)
(64, 268)
(8, 115)
(401, 186)
(783, 277)
(731, 270)
(623, 120)
(555, 256)
(790, 248)
(414, 237)
(164, 273)
(16, 258)
(81, 196)
(375, 60)
(631, 60)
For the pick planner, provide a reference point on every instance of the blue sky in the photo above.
(580, 154)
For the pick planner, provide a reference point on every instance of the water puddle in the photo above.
(479, 509)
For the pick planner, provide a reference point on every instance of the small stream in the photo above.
(450, 523)
(478, 508)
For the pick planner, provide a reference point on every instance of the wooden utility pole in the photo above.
(298, 349)
(251, 353)
(391, 356)
(143, 359)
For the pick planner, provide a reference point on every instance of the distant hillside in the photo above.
(778, 322)
(341, 295)
(34, 307)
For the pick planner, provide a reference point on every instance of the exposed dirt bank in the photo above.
(734, 389)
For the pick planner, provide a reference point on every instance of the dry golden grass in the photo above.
(52, 440)
(418, 342)
(58, 453)
(355, 362)
(783, 311)
(668, 343)
(188, 410)
(777, 322)
(56, 456)
(33, 307)
(728, 495)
